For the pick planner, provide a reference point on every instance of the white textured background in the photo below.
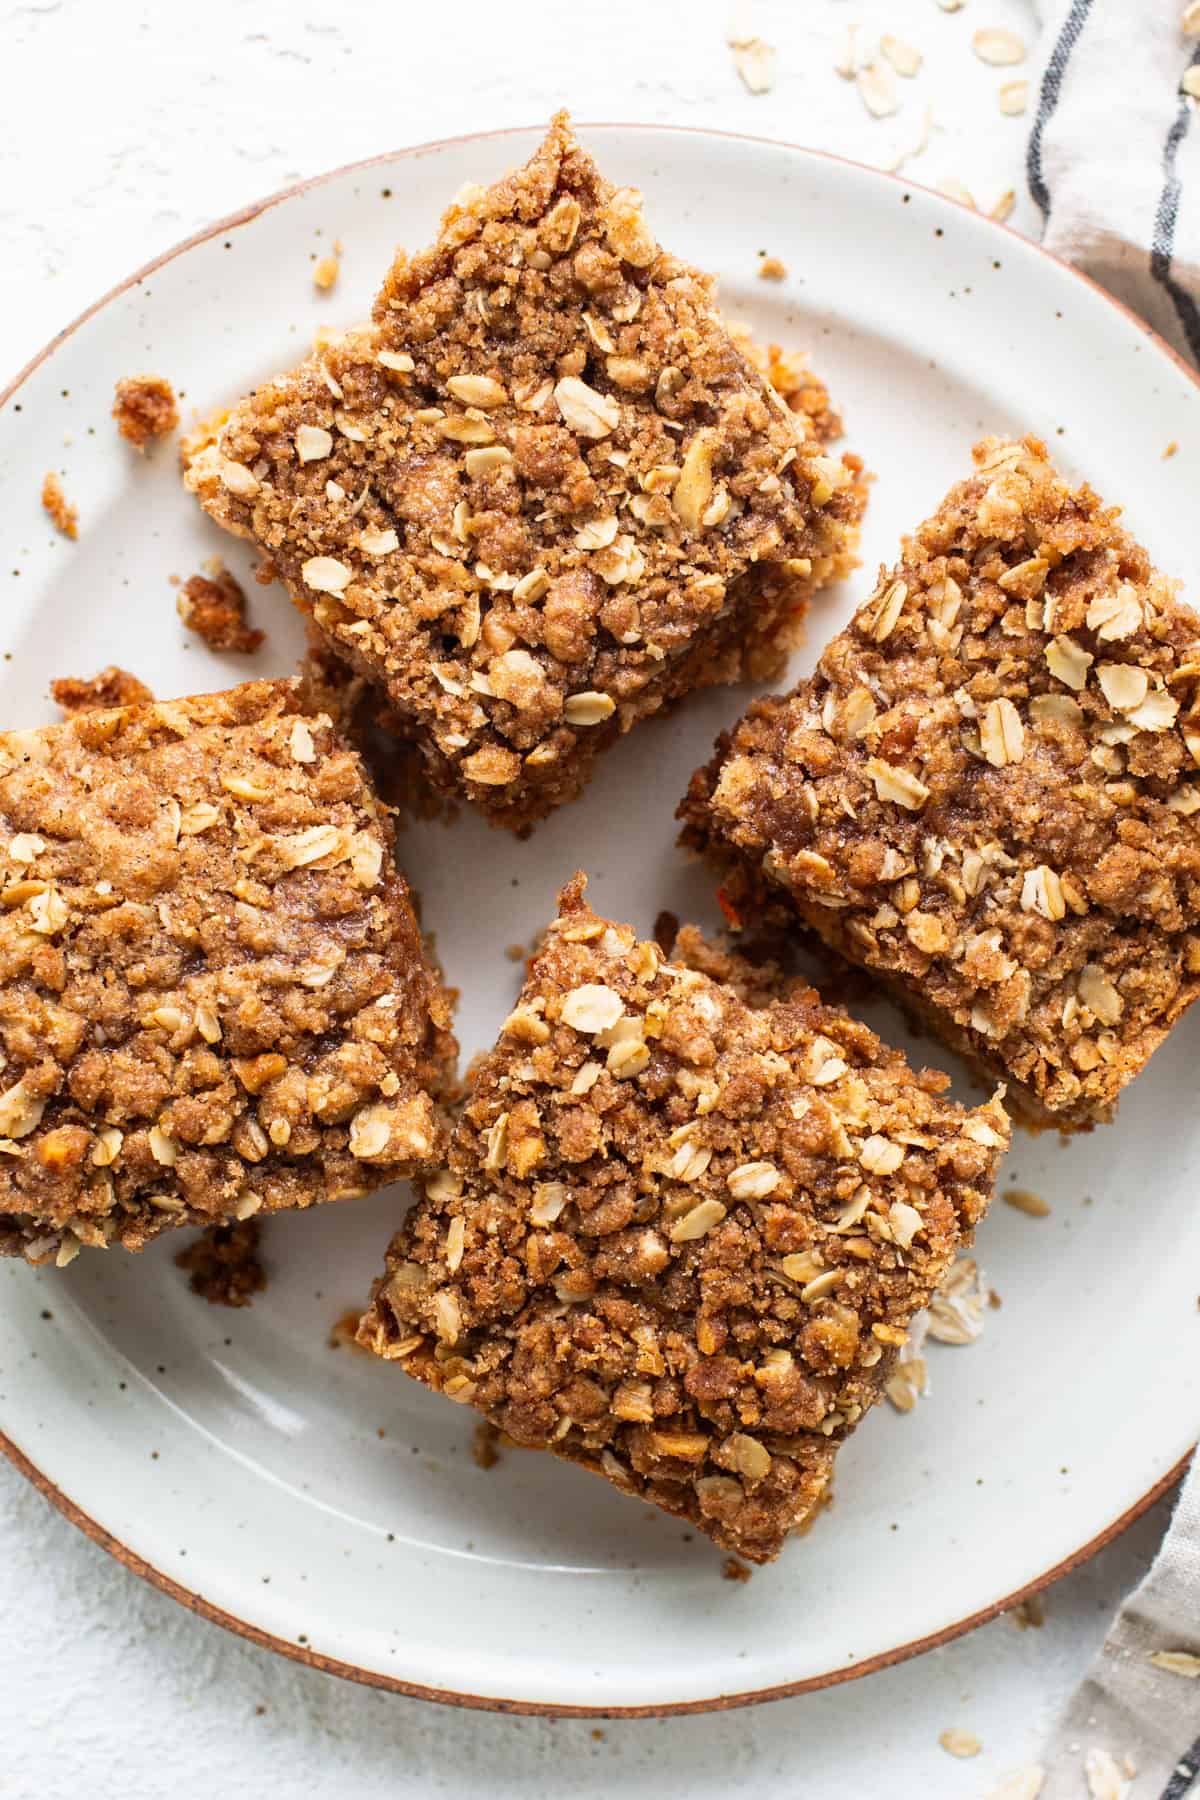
(125, 125)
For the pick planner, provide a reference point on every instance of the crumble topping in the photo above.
(111, 687)
(223, 1264)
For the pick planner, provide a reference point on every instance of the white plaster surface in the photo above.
(125, 125)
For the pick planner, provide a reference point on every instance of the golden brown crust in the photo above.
(213, 994)
(215, 609)
(688, 1214)
(542, 494)
(986, 794)
(144, 408)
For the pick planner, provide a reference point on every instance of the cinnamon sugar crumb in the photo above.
(64, 515)
(485, 1444)
(733, 1570)
(223, 1264)
(144, 408)
(1170, 450)
(326, 271)
(772, 268)
(111, 687)
(215, 609)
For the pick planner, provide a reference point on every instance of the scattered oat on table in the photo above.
(753, 57)
(144, 408)
(959, 1742)
(1021, 1784)
(1013, 97)
(1026, 1202)
(111, 687)
(954, 189)
(916, 149)
(223, 1264)
(956, 1310)
(952, 5)
(998, 47)
(906, 59)
(1191, 82)
(55, 502)
(877, 90)
(847, 63)
(733, 1570)
(215, 609)
(772, 268)
(1189, 23)
(327, 269)
(1002, 208)
(1107, 1778)
(1177, 1662)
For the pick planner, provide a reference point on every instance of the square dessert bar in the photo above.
(214, 998)
(542, 494)
(688, 1215)
(986, 792)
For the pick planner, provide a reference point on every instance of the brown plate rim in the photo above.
(304, 1654)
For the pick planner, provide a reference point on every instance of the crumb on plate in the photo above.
(215, 609)
(144, 408)
(55, 502)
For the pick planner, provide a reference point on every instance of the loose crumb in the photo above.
(1031, 1204)
(64, 515)
(342, 1337)
(485, 1444)
(516, 953)
(223, 1264)
(326, 271)
(772, 268)
(1030, 1614)
(144, 408)
(733, 1570)
(960, 1743)
(215, 609)
(597, 1734)
(1170, 450)
(111, 687)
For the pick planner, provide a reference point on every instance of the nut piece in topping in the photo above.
(548, 444)
(642, 1264)
(200, 1003)
(986, 793)
(144, 408)
(214, 607)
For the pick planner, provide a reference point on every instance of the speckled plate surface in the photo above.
(321, 1502)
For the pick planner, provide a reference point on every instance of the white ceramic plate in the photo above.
(322, 1502)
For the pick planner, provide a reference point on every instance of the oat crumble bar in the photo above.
(542, 494)
(986, 792)
(688, 1214)
(214, 998)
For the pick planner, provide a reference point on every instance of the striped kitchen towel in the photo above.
(1114, 153)
(1114, 163)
